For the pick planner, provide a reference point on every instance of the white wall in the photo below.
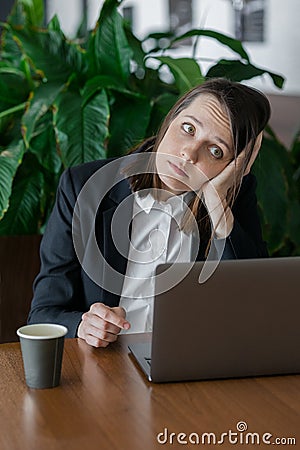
(279, 53)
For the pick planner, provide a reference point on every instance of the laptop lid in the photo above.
(243, 321)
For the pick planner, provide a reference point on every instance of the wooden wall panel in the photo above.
(19, 264)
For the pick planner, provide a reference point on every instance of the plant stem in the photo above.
(12, 110)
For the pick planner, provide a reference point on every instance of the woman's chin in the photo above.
(174, 186)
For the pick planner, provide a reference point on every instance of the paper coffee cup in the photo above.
(42, 351)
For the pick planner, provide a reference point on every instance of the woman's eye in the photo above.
(189, 128)
(216, 152)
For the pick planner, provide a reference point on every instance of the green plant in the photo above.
(67, 101)
(278, 172)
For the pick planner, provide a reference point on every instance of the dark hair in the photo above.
(248, 111)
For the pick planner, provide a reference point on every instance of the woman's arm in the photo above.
(63, 293)
(240, 226)
(246, 239)
(58, 292)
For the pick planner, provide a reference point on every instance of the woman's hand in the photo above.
(215, 190)
(101, 325)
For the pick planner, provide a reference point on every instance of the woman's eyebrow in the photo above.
(215, 137)
(195, 119)
(224, 143)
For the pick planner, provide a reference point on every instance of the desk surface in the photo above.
(105, 402)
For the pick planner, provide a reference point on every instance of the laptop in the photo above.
(244, 320)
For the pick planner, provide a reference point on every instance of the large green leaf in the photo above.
(7, 69)
(294, 223)
(14, 88)
(17, 16)
(136, 47)
(129, 121)
(295, 150)
(100, 82)
(24, 213)
(10, 125)
(160, 35)
(235, 45)
(186, 72)
(152, 86)
(10, 51)
(51, 54)
(161, 106)
(34, 10)
(10, 159)
(81, 127)
(12, 110)
(41, 100)
(237, 70)
(43, 145)
(27, 12)
(109, 52)
(270, 169)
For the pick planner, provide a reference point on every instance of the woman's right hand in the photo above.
(101, 325)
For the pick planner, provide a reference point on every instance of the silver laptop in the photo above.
(243, 321)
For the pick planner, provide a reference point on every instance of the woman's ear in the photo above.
(255, 151)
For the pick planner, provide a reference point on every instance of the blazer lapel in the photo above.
(115, 239)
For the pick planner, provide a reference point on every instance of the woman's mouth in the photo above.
(177, 170)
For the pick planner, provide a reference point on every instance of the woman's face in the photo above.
(197, 146)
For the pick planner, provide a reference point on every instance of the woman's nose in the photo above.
(189, 154)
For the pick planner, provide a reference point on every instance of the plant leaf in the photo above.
(236, 70)
(186, 72)
(51, 54)
(10, 52)
(109, 52)
(34, 10)
(136, 46)
(81, 127)
(101, 82)
(234, 44)
(43, 144)
(42, 98)
(24, 213)
(54, 24)
(14, 88)
(161, 106)
(294, 223)
(27, 12)
(160, 35)
(270, 168)
(129, 121)
(17, 15)
(10, 159)
(295, 149)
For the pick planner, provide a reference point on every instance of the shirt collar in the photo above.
(175, 202)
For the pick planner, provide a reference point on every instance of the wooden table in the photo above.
(105, 402)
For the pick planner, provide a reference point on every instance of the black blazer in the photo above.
(62, 289)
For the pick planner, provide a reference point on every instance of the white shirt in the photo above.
(156, 238)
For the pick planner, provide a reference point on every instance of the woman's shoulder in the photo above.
(249, 182)
(247, 190)
(86, 170)
(76, 176)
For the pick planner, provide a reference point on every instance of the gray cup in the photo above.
(42, 351)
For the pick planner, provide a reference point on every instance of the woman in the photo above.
(196, 171)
